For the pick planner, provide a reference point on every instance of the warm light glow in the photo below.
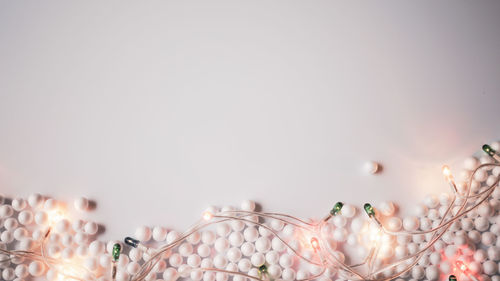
(69, 272)
(55, 216)
(461, 265)
(207, 215)
(315, 243)
(446, 171)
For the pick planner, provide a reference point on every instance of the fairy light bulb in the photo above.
(207, 215)
(449, 178)
(117, 248)
(334, 211)
(452, 278)
(369, 210)
(460, 265)
(315, 243)
(491, 152)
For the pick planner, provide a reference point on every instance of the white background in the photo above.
(156, 110)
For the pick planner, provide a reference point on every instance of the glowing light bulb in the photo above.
(315, 243)
(369, 210)
(55, 216)
(449, 178)
(460, 265)
(491, 152)
(452, 278)
(336, 208)
(207, 215)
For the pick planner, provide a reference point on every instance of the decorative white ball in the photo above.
(21, 271)
(387, 208)
(221, 244)
(340, 234)
(91, 228)
(236, 239)
(96, 247)
(410, 223)
(25, 217)
(370, 167)
(133, 268)
(258, 259)
(286, 260)
(490, 267)
(36, 268)
(247, 249)
(220, 261)
(194, 260)
(251, 234)
(203, 250)
(263, 244)
(394, 224)
(19, 204)
(348, 211)
(35, 200)
(248, 205)
(6, 211)
(185, 249)
(207, 237)
(223, 229)
(234, 254)
(81, 204)
(69, 253)
(288, 274)
(244, 265)
(143, 233)
(170, 274)
(432, 273)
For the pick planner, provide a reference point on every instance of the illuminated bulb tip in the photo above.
(446, 171)
(207, 215)
(315, 243)
(131, 242)
(116, 251)
(336, 208)
(460, 265)
(488, 150)
(369, 210)
(452, 278)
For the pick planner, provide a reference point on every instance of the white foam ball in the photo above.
(62, 226)
(194, 238)
(357, 224)
(143, 233)
(234, 254)
(196, 275)
(221, 244)
(490, 267)
(288, 274)
(194, 260)
(420, 210)
(450, 251)
(175, 260)
(21, 271)
(10, 223)
(417, 272)
(78, 225)
(248, 205)
(96, 247)
(220, 261)
(223, 229)
(35, 200)
(7, 236)
(170, 274)
(8, 274)
(91, 263)
(410, 223)
(20, 233)
(340, 234)
(339, 221)
(203, 250)
(277, 244)
(133, 268)
(394, 224)
(6, 211)
(81, 204)
(247, 249)
(90, 228)
(251, 234)
(19, 204)
(387, 208)
(481, 223)
(207, 237)
(67, 253)
(286, 260)
(236, 239)
(185, 249)
(36, 268)
(274, 270)
(494, 253)
(237, 225)
(348, 211)
(432, 273)
(263, 244)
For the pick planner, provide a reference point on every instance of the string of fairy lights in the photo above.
(321, 255)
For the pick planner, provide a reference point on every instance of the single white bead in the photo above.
(221, 244)
(339, 221)
(286, 260)
(194, 238)
(480, 255)
(67, 253)
(471, 163)
(20, 233)
(236, 239)
(277, 225)
(288, 230)
(251, 234)
(444, 199)
(410, 223)
(263, 244)
(173, 236)
(494, 253)
(81, 204)
(277, 244)
(237, 225)
(185, 249)
(450, 251)
(19, 204)
(159, 233)
(432, 273)
(223, 229)
(194, 260)
(272, 257)
(10, 223)
(348, 211)
(133, 268)
(210, 276)
(247, 249)
(25, 217)
(234, 254)
(184, 270)
(170, 274)
(420, 210)
(265, 231)
(207, 237)
(221, 276)
(203, 250)
(370, 167)
(274, 270)
(431, 201)
(417, 272)
(8, 274)
(474, 236)
(244, 265)
(35, 200)
(6, 211)
(90, 228)
(143, 233)
(258, 259)
(248, 205)
(78, 225)
(175, 260)
(288, 274)
(387, 208)
(481, 223)
(488, 238)
(490, 267)
(135, 254)
(81, 250)
(484, 210)
(357, 224)
(50, 204)
(196, 275)
(96, 247)
(394, 224)
(220, 261)
(481, 175)
(160, 266)
(91, 263)
(7, 236)
(36, 268)
(21, 271)
(302, 274)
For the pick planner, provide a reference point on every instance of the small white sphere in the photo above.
(480, 255)
(207, 237)
(450, 251)
(394, 224)
(247, 249)
(274, 270)
(340, 234)
(277, 244)
(410, 223)
(234, 254)
(194, 260)
(173, 236)
(435, 258)
(370, 167)
(7, 237)
(258, 259)
(143, 233)
(357, 224)
(6, 211)
(286, 260)
(90, 228)
(244, 265)
(288, 274)
(251, 234)
(25, 217)
(8, 274)
(221, 244)
(263, 244)
(35, 200)
(196, 275)
(248, 205)
(339, 221)
(237, 225)
(96, 247)
(133, 268)
(184, 270)
(81, 204)
(474, 236)
(203, 250)
(19, 204)
(185, 249)
(10, 223)
(417, 272)
(494, 253)
(481, 223)
(170, 274)
(50, 204)
(223, 229)
(78, 225)
(175, 260)
(272, 257)
(36, 268)
(236, 239)
(288, 230)
(420, 210)
(63, 226)
(488, 238)
(348, 211)
(210, 276)
(222, 276)
(387, 208)
(432, 273)
(220, 261)
(490, 267)
(20, 233)
(21, 270)
(481, 175)
(431, 201)
(81, 238)
(135, 254)
(91, 263)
